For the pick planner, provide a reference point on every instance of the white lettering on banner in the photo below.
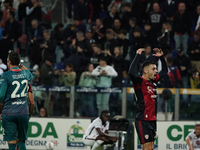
(72, 138)
(86, 90)
(170, 135)
(110, 90)
(38, 88)
(43, 130)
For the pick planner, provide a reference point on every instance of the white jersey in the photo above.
(195, 140)
(97, 123)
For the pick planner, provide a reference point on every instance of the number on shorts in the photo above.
(14, 93)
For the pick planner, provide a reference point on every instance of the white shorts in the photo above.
(89, 140)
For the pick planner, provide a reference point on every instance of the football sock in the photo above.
(21, 145)
(12, 146)
(97, 144)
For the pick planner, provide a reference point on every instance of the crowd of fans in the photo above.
(102, 32)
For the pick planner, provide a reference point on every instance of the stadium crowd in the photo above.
(100, 34)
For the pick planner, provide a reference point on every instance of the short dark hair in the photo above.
(147, 63)
(137, 30)
(133, 20)
(127, 5)
(169, 60)
(197, 125)
(69, 65)
(12, 13)
(104, 112)
(196, 33)
(123, 31)
(147, 23)
(14, 58)
(147, 45)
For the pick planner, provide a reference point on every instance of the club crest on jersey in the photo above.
(146, 136)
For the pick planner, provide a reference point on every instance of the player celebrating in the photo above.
(193, 138)
(146, 95)
(13, 102)
(97, 133)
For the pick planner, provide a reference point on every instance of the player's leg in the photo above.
(22, 126)
(147, 146)
(145, 135)
(9, 131)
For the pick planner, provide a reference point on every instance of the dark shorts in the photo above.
(15, 127)
(146, 130)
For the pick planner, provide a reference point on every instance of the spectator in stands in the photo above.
(170, 7)
(194, 51)
(8, 7)
(157, 18)
(117, 4)
(150, 37)
(3, 67)
(110, 17)
(117, 63)
(138, 42)
(104, 73)
(71, 5)
(133, 25)
(139, 8)
(48, 74)
(22, 14)
(57, 34)
(147, 55)
(1, 29)
(99, 32)
(84, 44)
(6, 45)
(34, 11)
(89, 37)
(182, 61)
(116, 27)
(123, 42)
(198, 19)
(110, 43)
(35, 37)
(128, 14)
(13, 28)
(67, 78)
(175, 71)
(96, 55)
(87, 99)
(182, 25)
(79, 25)
(85, 12)
(37, 80)
(43, 113)
(164, 39)
(195, 79)
(48, 46)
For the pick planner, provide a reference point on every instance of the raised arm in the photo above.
(164, 69)
(133, 67)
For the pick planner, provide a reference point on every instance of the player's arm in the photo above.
(133, 67)
(189, 142)
(3, 90)
(164, 68)
(28, 73)
(31, 100)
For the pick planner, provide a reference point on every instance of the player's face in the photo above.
(106, 117)
(152, 72)
(197, 130)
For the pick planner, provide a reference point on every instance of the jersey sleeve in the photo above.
(107, 126)
(191, 134)
(97, 123)
(3, 87)
(133, 72)
(28, 75)
(164, 69)
(30, 88)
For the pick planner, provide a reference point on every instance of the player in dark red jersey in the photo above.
(146, 95)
